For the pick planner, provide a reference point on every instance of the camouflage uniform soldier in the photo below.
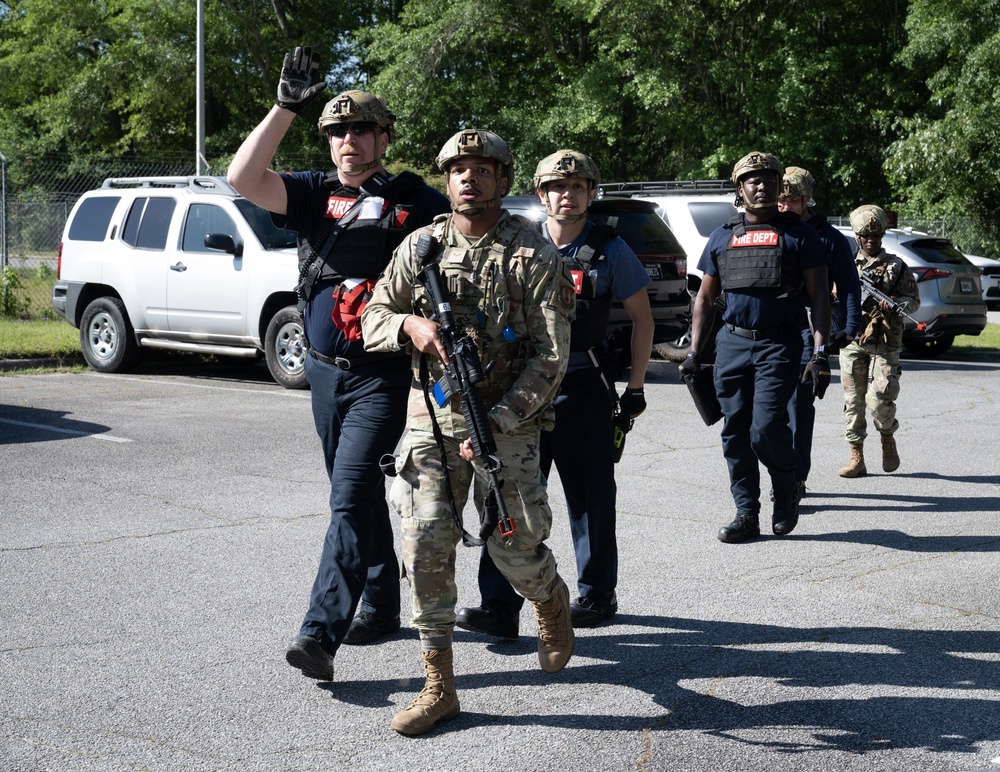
(869, 366)
(510, 291)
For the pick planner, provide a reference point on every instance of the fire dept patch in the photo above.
(337, 206)
(760, 238)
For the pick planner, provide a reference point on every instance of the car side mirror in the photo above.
(224, 242)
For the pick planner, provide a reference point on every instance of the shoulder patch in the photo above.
(524, 252)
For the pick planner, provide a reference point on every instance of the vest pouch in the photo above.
(348, 303)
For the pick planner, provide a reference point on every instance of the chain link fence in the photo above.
(37, 196)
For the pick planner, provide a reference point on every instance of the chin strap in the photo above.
(564, 217)
(351, 170)
(471, 210)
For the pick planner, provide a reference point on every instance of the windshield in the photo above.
(644, 231)
(938, 251)
(269, 235)
(709, 215)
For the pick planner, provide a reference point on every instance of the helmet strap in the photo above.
(351, 170)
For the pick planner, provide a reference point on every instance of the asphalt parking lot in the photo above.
(159, 532)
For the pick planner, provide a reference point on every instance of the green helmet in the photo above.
(797, 183)
(566, 165)
(358, 107)
(478, 142)
(752, 162)
(748, 164)
(869, 220)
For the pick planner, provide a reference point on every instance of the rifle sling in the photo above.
(467, 538)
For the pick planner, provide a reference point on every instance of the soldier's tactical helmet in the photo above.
(478, 142)
(564, 165)
(748, 164)
(358, 107)
(797, 183)
(869, 220)
(755, 161)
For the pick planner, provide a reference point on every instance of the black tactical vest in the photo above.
(359, 250)
(756, 256)
(590, 326)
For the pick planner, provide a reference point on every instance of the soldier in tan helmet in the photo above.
(509, 292)
(869, 366)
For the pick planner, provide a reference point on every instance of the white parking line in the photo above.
(296, 393)
(74, 432)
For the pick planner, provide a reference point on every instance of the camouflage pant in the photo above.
(880, 364)
(429, 533)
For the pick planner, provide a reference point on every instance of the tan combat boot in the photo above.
(436, 702)
(890, 458)
(555, 631)
(856, 466)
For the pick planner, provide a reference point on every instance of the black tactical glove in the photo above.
(838, 340)
(690, 365)
(632, 403)
(300, 82)
(818, 370)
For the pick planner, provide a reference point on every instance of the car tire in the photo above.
(929, 347)
(285, 349)
(107, 338)
(677, 349)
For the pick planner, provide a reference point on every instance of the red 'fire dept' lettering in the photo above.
(336, 206)
(757, 239)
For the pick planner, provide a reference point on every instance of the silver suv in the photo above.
(184, 264)
(951, 301)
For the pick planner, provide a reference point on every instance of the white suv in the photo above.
(692, 209)
(179, 263)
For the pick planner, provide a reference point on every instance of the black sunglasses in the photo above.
(357, 129)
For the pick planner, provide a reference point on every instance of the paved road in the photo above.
(159, 533)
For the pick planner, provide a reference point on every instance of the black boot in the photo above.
(786, 512)
(745, 526)
(492, 618)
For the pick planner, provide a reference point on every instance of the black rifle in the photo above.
(461, 374)
(869, 289)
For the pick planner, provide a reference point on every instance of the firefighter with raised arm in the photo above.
(349, 220)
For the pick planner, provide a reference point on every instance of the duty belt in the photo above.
(770, 332)
(345, 363)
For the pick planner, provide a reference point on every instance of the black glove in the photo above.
(690, 365)
(838, 340)
(300, 82)
(818, 370)
(632, 403)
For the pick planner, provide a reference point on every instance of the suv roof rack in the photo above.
(665, 186)
(202, 184)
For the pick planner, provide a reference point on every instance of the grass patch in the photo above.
(22, 340)
(986, 345)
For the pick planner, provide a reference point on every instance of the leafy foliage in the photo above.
(888, 102)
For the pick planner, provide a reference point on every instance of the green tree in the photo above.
(652, 90)
(118, 76)
(947, 159)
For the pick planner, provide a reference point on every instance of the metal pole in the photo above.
(200, 162)
(3, 225)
